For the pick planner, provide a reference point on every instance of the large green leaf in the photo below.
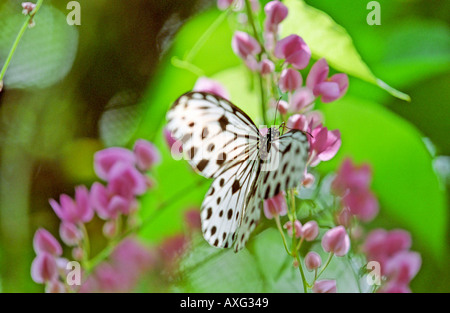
(329, 40)
(403, 177)
(46, 52)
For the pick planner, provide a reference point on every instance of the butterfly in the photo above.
(220, 141)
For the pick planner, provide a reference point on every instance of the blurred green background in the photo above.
(72, 90)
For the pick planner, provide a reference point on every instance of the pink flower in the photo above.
(74, 211)
(28, 7)
(246, 47)
(352, 183)
(70, 234)
(266, 67)
(108, 204)
(172, 248)
(290, 80)
(276, 12)
(224, 4)
(131, 255)
(324, 144)
(310, 230)
(126, 180)
(275, 206)
(192, 219)
(361, 203)
(298, 121)
(331, 88)
(294, 49)
(308, 180)
(403, 267)
(297, 226)
(44, 268)
(205, 84)
(312, 261)
(350, 176)
(336, 241)
(381, 245)
(146, 154)
(43, 241)
(325, 286)
(301, 100)
(105, 159)
(393, 287)
(55, 286)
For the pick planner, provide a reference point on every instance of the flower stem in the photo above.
(86, 246)
(260, 78)
(19, 37)
(330, 256)
(277, 220)
(302, 273)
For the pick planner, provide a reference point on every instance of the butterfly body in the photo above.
(223, 143)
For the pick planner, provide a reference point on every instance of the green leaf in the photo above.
(207, 269)
(403, 177)
(329, 40)
(46, 52)
(171, 81)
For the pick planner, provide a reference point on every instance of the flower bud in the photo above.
(146, 154)
(70, 234)
(310, 231)
(44, 268)
(290, 80)
(266, 67)
(275, 206)
(313, 261)
(205, 84)
(110, 228)
(325, 286)
(43, 241)
(276, 12)
(336, 241)
(294, 49)
(298, 228)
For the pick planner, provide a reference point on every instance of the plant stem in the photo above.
(330, 256)
(19, 37)
(205, 36)
(277, 220)
(260, 78)
(302, 273)
(86, 245)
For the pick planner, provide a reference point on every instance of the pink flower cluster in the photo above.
(398, 264)
(128, 262)
(48, 267)
(292, 54)
(352, 184)
(124, 172)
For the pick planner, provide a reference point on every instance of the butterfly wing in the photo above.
(225, 207)
(285, 165)
(221, 142)
(213, 131)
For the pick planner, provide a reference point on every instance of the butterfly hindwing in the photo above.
(285, 166)
(224, 207)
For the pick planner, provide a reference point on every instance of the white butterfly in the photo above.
(221, 142)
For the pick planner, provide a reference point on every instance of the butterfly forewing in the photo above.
(213, 131)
